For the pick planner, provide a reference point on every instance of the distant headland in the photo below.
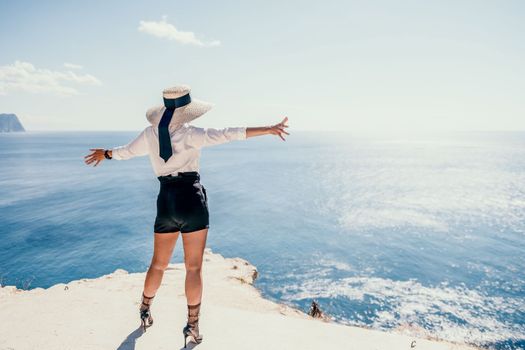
(10, 123)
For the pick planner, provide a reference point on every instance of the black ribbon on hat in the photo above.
(165, 150)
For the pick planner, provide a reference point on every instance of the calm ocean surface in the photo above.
(421, 231)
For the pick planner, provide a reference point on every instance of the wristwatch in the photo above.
(106, 154)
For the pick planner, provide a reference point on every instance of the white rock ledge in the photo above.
(102, 313)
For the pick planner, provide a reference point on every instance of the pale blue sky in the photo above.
(331, 65)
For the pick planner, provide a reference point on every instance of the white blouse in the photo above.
(186, 142)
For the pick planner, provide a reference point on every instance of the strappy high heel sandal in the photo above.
(192, 326)
(145, 313)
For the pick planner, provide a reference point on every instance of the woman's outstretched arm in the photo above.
(136, 148)
(201, 137)
(277, 129)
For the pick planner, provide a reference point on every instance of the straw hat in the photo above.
(182, 115)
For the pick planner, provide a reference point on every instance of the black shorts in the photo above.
(182, 204)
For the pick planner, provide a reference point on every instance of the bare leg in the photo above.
(163, 249)
(194, 244)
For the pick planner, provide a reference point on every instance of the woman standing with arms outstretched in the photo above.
(174, 148)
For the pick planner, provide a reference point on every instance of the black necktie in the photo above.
(165, 150)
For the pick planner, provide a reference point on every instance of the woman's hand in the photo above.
(277, 129)
(97, 155)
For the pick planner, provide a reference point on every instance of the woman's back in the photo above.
(186, 141)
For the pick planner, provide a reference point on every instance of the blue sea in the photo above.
(424, 232)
